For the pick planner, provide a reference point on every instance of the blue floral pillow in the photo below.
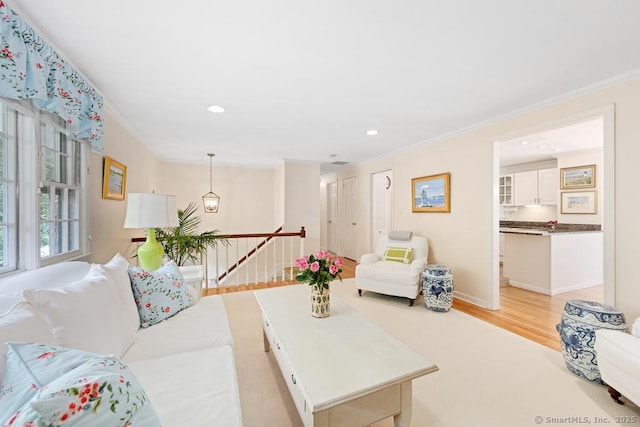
(100, 392)
(32, 366)
(159, 294)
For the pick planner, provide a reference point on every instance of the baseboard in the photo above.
(529, 287)
(575, 287)
(470, 299)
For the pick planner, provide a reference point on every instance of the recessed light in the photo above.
(557, 149)
(524, 142)
(215, 109)
(372, 132)
(542, 146)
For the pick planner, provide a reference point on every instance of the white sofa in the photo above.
(618, 355)
(184, 363)
(402, 279)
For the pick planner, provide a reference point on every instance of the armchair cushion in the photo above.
(398, 254)
(370, 258)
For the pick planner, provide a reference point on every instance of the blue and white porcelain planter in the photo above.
(437, 287)
(577, 330)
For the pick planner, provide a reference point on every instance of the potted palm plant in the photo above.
(185, 246)
(182, 244)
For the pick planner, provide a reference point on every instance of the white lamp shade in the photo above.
(151, 210)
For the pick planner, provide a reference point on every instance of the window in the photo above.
(60, 166)
(42, 182)
(8, 158)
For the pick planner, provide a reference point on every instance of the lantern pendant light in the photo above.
(211, 200)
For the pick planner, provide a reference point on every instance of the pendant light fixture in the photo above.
(211, 200)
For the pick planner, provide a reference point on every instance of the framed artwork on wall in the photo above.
(431, 193)
(578, 202)
(114, 179)
(578, 177)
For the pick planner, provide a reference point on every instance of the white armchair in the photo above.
(618, 356)
(398, 278)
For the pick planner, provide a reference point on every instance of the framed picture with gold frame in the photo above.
(431, 193)
(578, 177)
(578, 202)
(114, 179)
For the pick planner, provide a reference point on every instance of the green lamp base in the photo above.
(150, 253)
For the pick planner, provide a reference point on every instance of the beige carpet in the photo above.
(487, 377)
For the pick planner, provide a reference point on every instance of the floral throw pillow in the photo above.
(100, 392)
(30, 367)
(159, 294)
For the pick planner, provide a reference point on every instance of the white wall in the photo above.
(106, 217)
(246, 195)
(301, 201)
(582, 158)
(463, 239)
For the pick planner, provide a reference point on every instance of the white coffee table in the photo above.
(341, 370)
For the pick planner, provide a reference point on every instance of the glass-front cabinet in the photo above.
(506, 190)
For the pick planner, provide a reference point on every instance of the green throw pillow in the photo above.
(394, 253)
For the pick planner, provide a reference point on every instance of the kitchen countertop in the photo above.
(542, 229)
(542, 232)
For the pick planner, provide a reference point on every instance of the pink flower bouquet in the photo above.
(319, 269)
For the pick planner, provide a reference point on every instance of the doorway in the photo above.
(606, 186)
(348, 219)
(381, 200)
(332, 217)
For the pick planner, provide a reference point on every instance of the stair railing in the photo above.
(258, 257)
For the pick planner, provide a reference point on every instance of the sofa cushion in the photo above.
(197, 388)
(22, 323)
(201, 326)
(117, 270)
(398, 254)
(49, 277)
(31, 366)
(159, 294)
(7, 301)
(100, 392)
(83, 315)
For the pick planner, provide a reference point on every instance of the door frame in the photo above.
(333, 243)
(607, 113)
(389, 171)
(345, 222)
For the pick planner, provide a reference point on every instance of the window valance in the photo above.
(31, 69)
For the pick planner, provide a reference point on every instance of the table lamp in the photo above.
(150, 210)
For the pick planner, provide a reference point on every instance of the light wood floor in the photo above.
(528, 314)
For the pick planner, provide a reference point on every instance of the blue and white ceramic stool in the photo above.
(437, 287)
(577, 330)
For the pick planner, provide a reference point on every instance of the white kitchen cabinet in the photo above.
(506, 190)
(548, 186)
(538, 187)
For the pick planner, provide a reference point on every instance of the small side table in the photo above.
(437, 287)
(577, 330)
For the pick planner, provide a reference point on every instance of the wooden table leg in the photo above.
(404, 417)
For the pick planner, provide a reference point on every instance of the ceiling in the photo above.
(304, 80)
(547, 145)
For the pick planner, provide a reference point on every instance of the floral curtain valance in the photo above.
(31, 69)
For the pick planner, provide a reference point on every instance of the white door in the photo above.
(332, 217)
(348, 221)
(381, 191)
